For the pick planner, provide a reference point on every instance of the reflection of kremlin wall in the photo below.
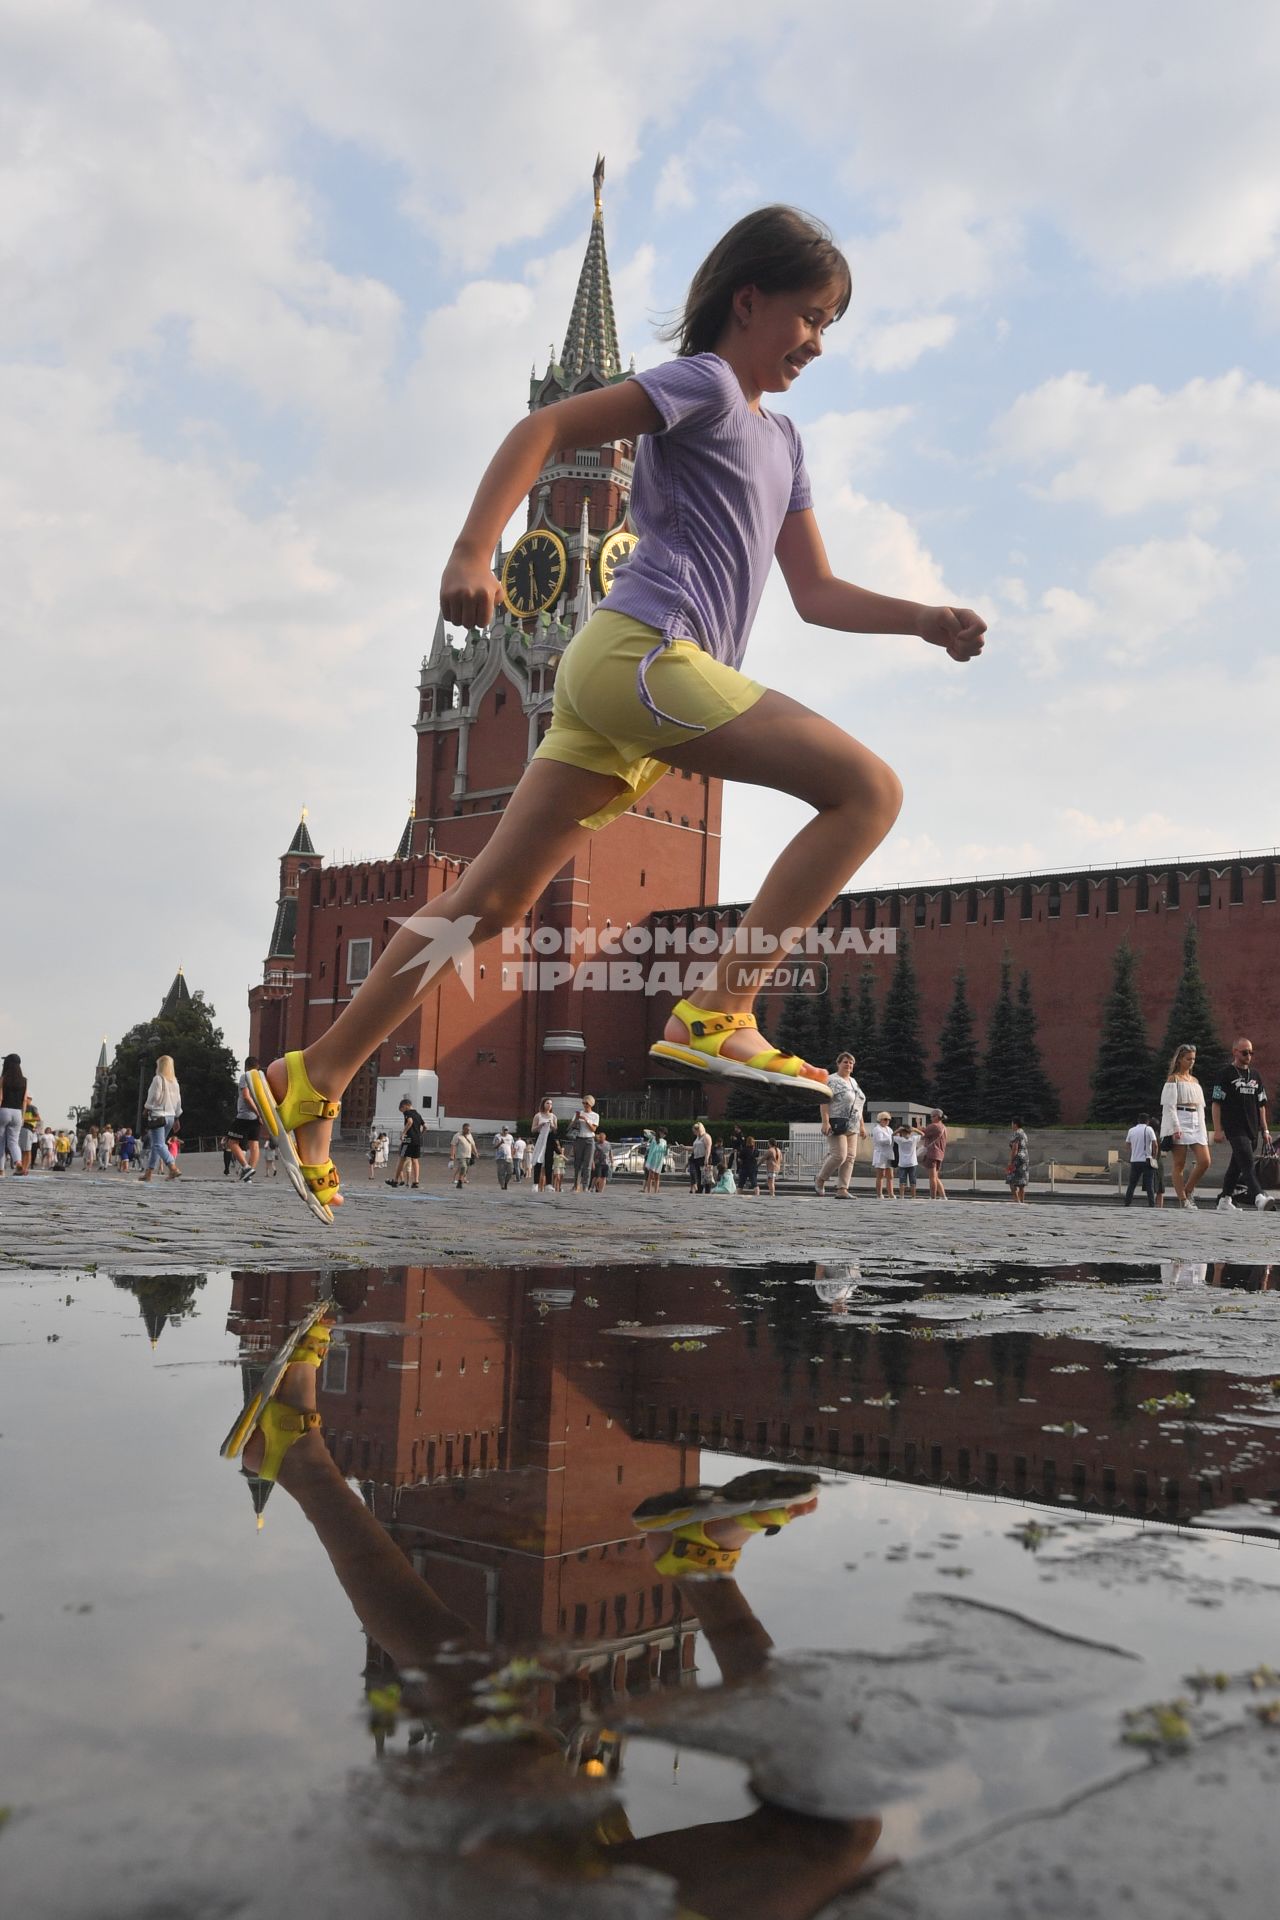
(504, 1439)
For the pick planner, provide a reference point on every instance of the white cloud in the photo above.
(1144, 448)
(893, 348)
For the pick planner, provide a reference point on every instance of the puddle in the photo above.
(193, 1720)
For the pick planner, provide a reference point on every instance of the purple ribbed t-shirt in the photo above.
(709, 496)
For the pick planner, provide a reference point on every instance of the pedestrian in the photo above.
(582, 1132)
(747, 1166)
(1182, 1124)
(12, 1108)
(372, 1154)
(882, 1155)
(48, 1148)
(601, 1162)
(89, 1150)
(655, 1155)
(462, 1151)
(163, 1109)
(1239, 1116)
(1019, 1167)
(62, 1152)
(519, 1157)
(408, 1171)
(652, 680)
(503, 1159)
(906, 1140)
(842, 1127)
(126, 1150)
(771, 1167)
(271, 1155)
(933, 1151)
(106, 1148)
(1157, 1160)
(542, 1146)
(1142, 1144)
(699, 1152)
(244, 1135)
(559, 1161)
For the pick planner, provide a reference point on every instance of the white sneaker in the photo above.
(1226, 1205)
(1262, 1203)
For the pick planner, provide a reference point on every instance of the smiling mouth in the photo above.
(796, 366)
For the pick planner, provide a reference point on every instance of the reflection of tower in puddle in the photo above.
(489, 1424)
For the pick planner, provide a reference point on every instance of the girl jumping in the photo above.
(652, 681)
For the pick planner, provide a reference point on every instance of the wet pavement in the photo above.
(1023, 1657)
(62, 1220)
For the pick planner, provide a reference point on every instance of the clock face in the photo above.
(534, 572)
(614, 549)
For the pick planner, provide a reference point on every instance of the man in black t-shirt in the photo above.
(1239, 1116)
(409, 1166)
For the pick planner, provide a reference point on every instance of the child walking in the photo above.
(653, 680)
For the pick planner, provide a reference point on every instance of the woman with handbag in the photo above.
(13, 1101)
(163, 1106)
(842, 1126)
(1182, 1124)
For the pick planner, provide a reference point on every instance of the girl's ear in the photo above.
(743, 301)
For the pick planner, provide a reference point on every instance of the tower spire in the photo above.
(592, 337)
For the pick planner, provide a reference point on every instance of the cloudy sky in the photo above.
(275, 272)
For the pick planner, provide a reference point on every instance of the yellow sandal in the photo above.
(708, 1031)
(281, 1427)
(315, 1184)
(307, 1345)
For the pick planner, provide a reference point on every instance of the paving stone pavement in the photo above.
(109, 1220)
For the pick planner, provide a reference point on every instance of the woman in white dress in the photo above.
(543, 1130)
(1182, 1124)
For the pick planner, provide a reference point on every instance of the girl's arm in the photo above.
(822, 600)
(469, 591)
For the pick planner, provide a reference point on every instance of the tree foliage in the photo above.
(956, 1079)
(1123, 1076)
(206, 1069)
(1002, 1083)
(1191, 1021)
(1040, 1103)
(900, 1065)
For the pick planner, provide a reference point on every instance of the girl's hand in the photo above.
(959, 629)
(469, 590)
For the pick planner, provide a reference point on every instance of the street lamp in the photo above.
(148, 1041)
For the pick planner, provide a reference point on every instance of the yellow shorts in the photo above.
(599, 723)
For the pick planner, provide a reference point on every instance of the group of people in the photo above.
(1238, 1105)
(28, 1144)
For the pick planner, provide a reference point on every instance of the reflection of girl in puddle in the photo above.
(773, 1864)
(836, 1283)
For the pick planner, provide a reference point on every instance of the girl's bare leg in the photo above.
(395, 1607)
(1179, 1162)
(537, 833)
(780, 744)
(1201, 1156)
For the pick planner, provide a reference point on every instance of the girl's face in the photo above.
(782, 332)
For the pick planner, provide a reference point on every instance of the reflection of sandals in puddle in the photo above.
(707, 1030)
(315, 1185)
(280, 1425)
(760, 1502)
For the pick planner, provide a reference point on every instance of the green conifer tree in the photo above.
(1002, 1082)
(845, 1019)
(956, 1086)
(1041, 1105)
(1123, 1076)
(901, 1062)
(864, 1040)
(1191, 1021)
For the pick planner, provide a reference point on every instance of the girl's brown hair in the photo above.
(777, 249)
(1178, 1052)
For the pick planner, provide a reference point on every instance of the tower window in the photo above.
(359, 961)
